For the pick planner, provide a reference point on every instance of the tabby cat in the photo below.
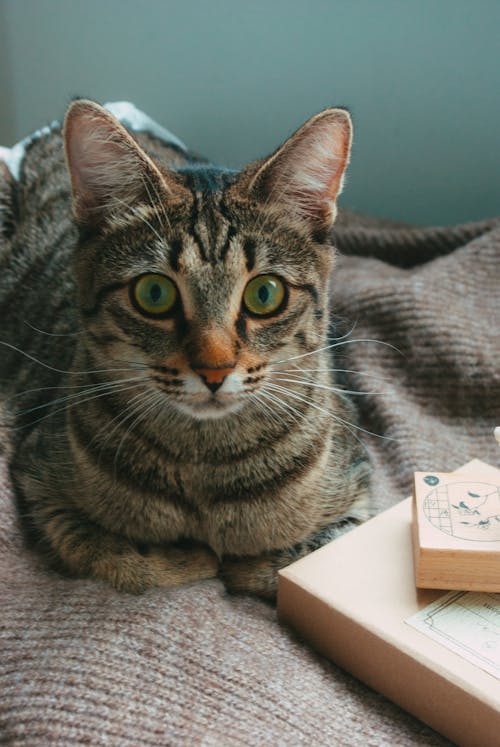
(165, 355)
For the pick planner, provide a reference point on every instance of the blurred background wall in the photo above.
(232, 78)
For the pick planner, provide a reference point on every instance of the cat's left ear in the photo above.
(305, 175)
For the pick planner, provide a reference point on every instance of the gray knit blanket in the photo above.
(82, 664)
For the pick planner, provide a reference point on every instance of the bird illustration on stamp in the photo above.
(468, 510)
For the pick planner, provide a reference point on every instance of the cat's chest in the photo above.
(237, 502)
(251, 505)
(226, 508)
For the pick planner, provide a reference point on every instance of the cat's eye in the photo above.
(265, 295)
(154, 295)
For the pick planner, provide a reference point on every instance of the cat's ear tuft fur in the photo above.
(306, 173)
(109, 171)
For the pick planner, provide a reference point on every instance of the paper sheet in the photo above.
(467, 622)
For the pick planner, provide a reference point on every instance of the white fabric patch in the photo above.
(14, 156)
(136, 120)
(129, 115)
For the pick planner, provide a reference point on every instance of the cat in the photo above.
(165, 355)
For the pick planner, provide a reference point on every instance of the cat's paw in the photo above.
(174, 566)
(251, 575)
(164, 567)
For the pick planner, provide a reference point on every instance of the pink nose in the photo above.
(213, 377)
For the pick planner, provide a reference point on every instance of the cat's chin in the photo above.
(212, 409)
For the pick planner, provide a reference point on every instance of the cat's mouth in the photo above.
(211, 406)
(207, 394)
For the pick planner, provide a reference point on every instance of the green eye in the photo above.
(154, 295)
(264, 295)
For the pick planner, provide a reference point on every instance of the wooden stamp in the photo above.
(456, 530)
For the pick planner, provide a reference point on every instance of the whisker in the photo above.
(135, 405)
(88, 389)
(377, 342)
(58, 370)
(137, 364)
(344, 423)
(72, 404)
(296, 396)
(342, 337)
(142, 410)
(329, 370)
(285, 406)
(118, 417)
(254, 397)
(308, 382)
(334, 345)
(276, 416)
(52, 334)
(297, 370)
(61, 386)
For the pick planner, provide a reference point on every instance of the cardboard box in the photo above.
(351, 600)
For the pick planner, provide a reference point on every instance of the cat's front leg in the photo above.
(87, 550)
(47, 483)
(254, 575)
(258, 575)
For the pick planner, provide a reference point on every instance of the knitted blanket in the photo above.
(83, 664)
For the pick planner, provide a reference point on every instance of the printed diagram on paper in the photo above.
(467, 622)
(469, 510)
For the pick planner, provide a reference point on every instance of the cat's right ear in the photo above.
(109, 172)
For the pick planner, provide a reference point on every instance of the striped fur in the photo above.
(128, 466)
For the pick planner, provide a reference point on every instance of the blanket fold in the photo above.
(440, 398)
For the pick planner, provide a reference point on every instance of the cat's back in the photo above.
(37, 235)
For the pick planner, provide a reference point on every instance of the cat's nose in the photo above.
(213, 378)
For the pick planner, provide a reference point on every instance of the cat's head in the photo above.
(203, 279)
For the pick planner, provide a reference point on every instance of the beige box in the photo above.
(351, 600)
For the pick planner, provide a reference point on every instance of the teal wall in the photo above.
(232, 78)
